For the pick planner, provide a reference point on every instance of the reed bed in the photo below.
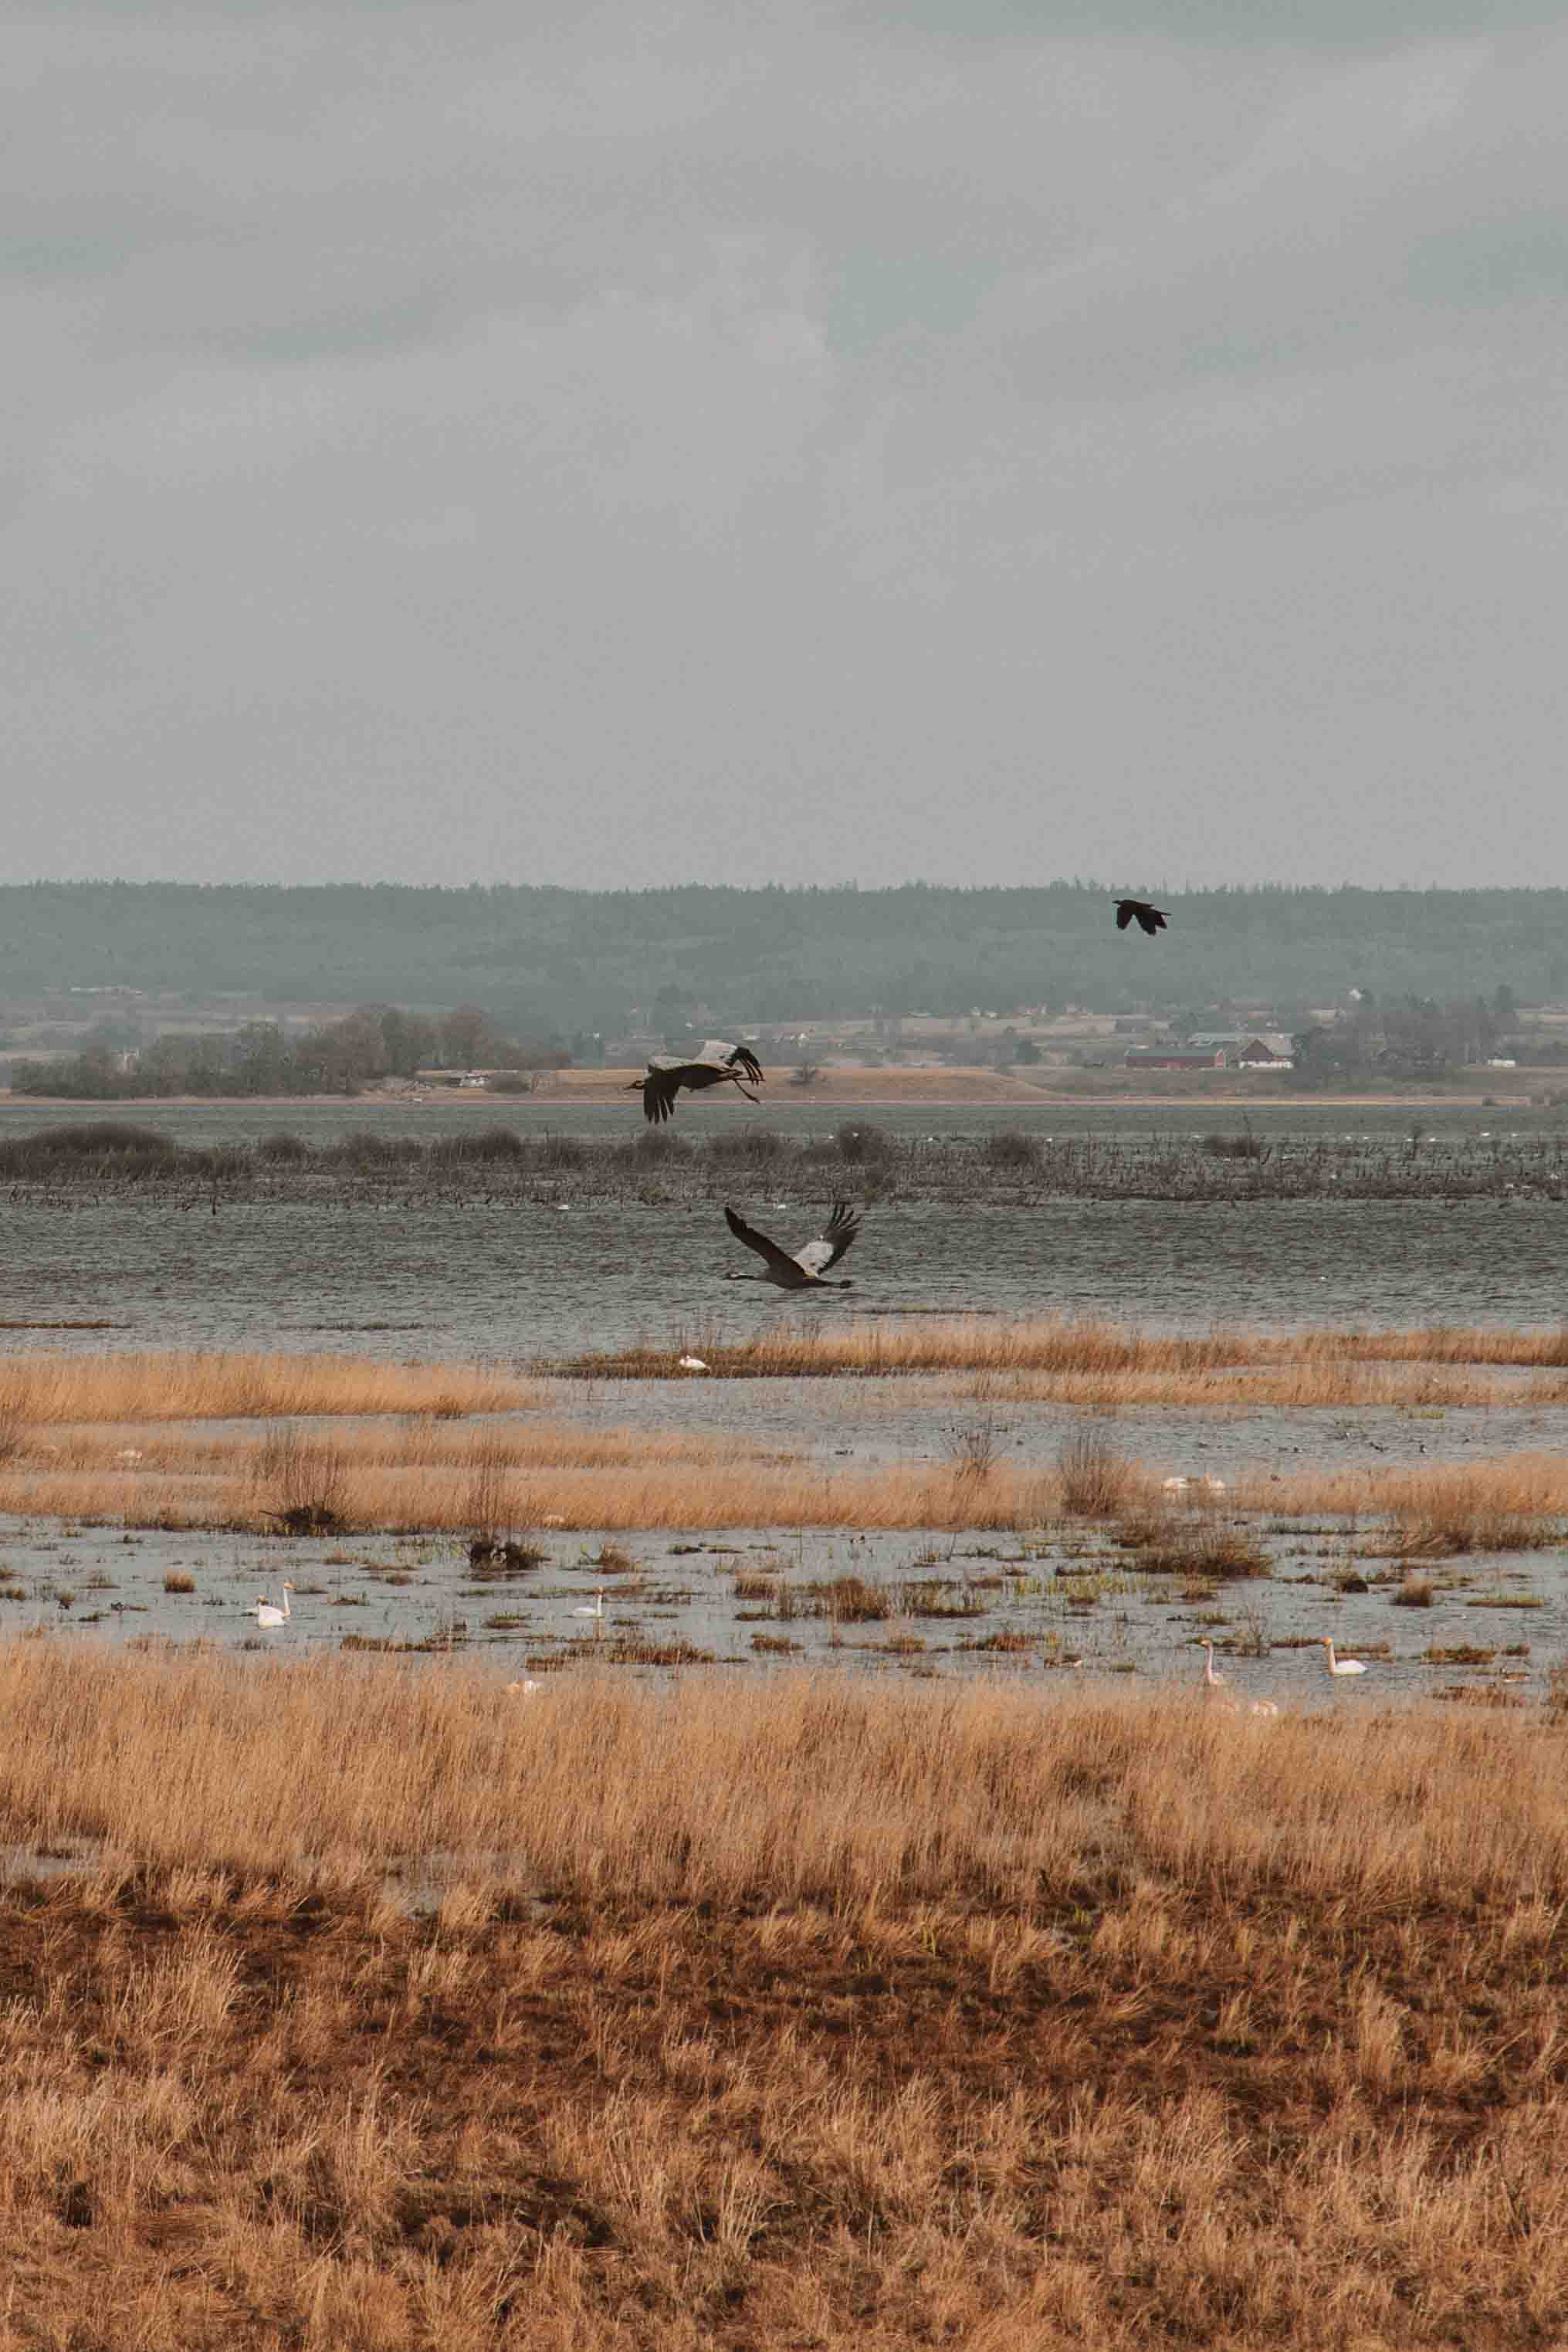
(413, 1476)
(1043, 1360)
(816, 2014)
(329, 1772)
(1311, 1367)
(1510, 1490)
(220, 1386)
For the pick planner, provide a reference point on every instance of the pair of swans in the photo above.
(1336, 1667)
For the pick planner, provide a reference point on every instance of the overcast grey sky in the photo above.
(622, 444)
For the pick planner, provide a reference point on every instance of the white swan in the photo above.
(1214, 1684)
(1341, 1666)
(528, 1689)
(598, 1608)
(265, 1615)
(1259, 1707)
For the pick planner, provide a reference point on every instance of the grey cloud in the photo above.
(492, 442)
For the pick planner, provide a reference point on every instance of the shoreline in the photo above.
(872, 1093)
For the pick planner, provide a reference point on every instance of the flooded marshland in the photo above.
(562, 1247)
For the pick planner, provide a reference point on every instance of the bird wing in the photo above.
(777, 1260)
(666, 1074)
(1124, 913)
(842, 1226)
(725, 1057)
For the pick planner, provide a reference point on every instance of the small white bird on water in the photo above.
(692, 1364)
(598, 1608)
(265, 1615)
(1341, 1666)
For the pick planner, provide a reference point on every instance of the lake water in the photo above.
(522, 1277)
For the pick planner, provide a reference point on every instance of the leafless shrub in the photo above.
(1096, 1480)
(300, 1480)
(973, 1451)
(489, 1481)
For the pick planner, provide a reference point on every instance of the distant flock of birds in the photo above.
(721, 1063)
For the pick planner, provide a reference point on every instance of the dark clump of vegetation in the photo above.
(747, 1146)
(490, 1144)
(89, 1148)
(846, 1600)
(1235, 1146)
(284, 1149)
(1207, 1553)
(856, 1141)
(656, 1147)
(1008, 1148)
(373, 1154)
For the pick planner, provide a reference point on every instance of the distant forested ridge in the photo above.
(543, 959)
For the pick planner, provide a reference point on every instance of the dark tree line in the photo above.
(545, 960)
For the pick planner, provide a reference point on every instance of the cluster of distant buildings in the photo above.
(1216, 1049)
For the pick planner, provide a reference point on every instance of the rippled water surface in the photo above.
(551, 1277)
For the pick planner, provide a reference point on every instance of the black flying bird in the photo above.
(1138, 910)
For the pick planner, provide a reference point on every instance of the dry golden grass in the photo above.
(1094, 1363)
(44, 1388)
(1505, 1492)
(816, 2014)
(416, 1475)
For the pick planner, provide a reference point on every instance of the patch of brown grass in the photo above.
(43, 1389)
(1113, 1363)
(1205, 1552)
(817, 2012)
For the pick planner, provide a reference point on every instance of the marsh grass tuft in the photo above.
(1208, 1553)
